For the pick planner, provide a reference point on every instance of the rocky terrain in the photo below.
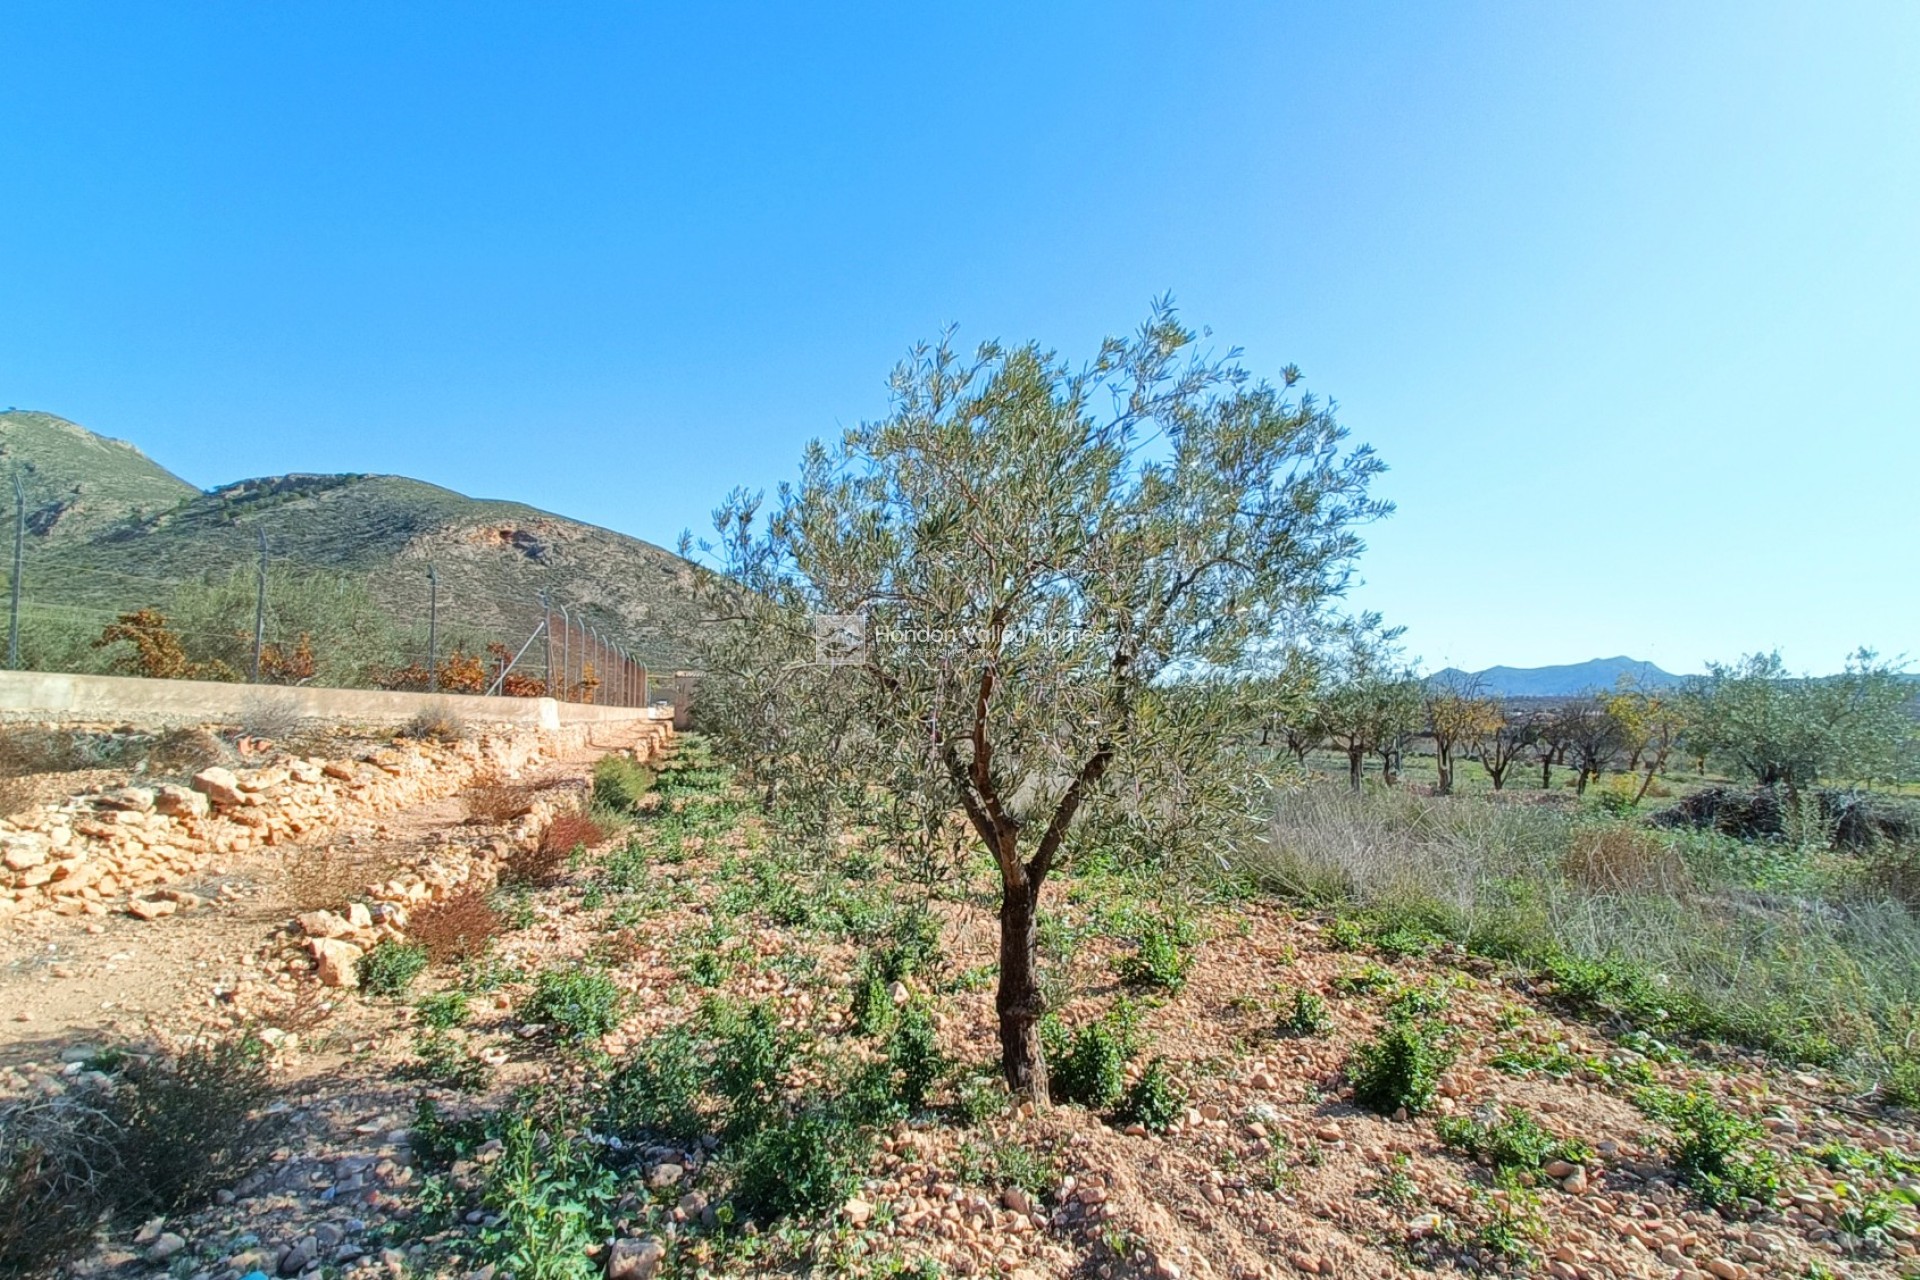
(1254, 1159)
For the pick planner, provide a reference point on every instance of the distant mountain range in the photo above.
(109, 530)
(1563, 681)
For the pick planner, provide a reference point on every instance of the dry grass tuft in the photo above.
(1624, 860)
(496, 802)
(325, 882)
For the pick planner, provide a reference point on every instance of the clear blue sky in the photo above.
(1628, 296)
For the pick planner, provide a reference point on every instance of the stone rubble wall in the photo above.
(93, 854)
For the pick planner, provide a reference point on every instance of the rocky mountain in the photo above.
(1562, 681)
(111, 530)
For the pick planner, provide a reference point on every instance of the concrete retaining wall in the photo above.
(46, 695)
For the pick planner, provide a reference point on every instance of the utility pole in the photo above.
(19, 541)
(260, 606)
(433, 629)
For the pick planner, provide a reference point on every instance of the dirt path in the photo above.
(67, 981)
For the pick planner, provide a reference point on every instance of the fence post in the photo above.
(19, 541)
(566, 655)
(433, 629)
(546, 627)
(260, 606)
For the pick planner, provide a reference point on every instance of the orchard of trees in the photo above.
(1358, 700)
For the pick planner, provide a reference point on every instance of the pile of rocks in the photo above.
(96, 853)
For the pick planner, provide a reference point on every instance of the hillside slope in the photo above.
(1561, 681)
(131, 530)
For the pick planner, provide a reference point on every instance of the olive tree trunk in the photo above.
(1018, 1001)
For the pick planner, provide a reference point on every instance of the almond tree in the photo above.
(1500, 743)
(1457, 716)
(1036, 550)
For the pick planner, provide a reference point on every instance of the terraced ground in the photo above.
(696, 1048)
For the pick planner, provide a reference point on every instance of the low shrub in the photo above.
(582, 1003)
(551, 1201)
(496, 802)
(457, 928)
(1154, 1101)
(752, 1052)
(1305, 1015)
(570, 832)
(1162, 958)
(1089, 1065)
(188, 1125)
(618, 783)
(391, 967)
(57, 1163)
(1399, 1068)
(656, 1092)
(1719, 1155)
(913, 1054)
(444, 1011)
(438, 723)
(804, 1163)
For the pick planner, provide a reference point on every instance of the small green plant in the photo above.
(391, 967)
(1346, 935)
(1162, 959)
(1089, 1065)
(1397, 1186)
(550, 1200)
(752, 1052)
(1509, 1140)
(1009, 1164)
(913, 1054)
(445, 1060)
(443, 1011)
(1306, 1015)
(1900, 1087)
(982, 1095)
(1400, 1068)
(873, 1007)
(1865, 1219)
(1513, 1229)
(1717, 1153)
(1155, 1100)
(583, 1003)
(1419, 1000)
(1367, 978)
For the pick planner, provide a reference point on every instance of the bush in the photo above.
(390, 968)
(583, 1003)
(656, 1092)
(618, 783)
(57, 1161)
(873, 1009)
(1400, 1068)
(550, 1198)
(1161, 959)
(914, 1056)
(803, 1164)
(497, 803)
(1154, 1101)
(457, 928)
(438, 723)
(190, 1125)
(1089, 1066)
(1306, 1015)
(1718, 1154)
(752, 1052)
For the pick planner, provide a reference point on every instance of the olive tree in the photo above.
(1034, 552)
(1458, 717)
(1370, 701)
(1857, 726)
